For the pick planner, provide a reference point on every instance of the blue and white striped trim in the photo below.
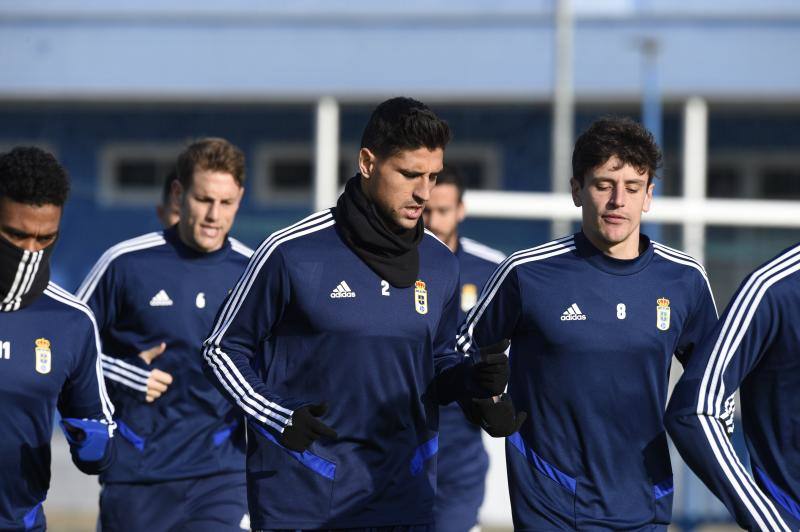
(682, 258)
(481, 251)
(430, 233)
(712, 387)
(253, 403)
(542, 252)
(89, 284)
(240, 248)
(59, 294)
(124, 373)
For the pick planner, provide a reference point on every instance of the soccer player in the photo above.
(339, 343)
(180, 461)
(167, 210)
(463, 462)
(755, 347)
(48, 346)
(594, 320)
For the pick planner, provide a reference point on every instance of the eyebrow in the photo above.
(414, 173)
(205, 197)
(634, 181)
(410, 173)
(23, 234)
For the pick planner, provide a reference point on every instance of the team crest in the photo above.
(469, 296)
(662, 314)
(43, 356)
(420, 297)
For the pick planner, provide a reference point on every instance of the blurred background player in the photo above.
(181, 462)
(338, 342)
(463, 462)
(755, 347)
(167, 210)
(48, 346)
(594, 320)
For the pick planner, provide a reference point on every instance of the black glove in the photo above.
(498, 419)
(305, 428)
(490, 373)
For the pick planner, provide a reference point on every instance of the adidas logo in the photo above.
(573, 313)
(342, 290)
(161, 299)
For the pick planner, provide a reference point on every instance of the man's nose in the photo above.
(618, 196)
(422, 190)
(213, 211)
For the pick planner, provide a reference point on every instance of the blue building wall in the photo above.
(521, 134)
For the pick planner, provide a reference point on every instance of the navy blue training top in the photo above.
(755, 347)
(310, 322)
(462, 459)
(592, 340)
(48, 360)
(154, 289)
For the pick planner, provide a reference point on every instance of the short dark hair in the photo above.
(216, 154)
(32, 176)
(451, 176)
(402, 124)
(613, 136)
(166, 187)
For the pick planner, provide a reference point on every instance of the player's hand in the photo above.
(75, 433)
(498, 417)
(159, 381)
(490, 374)
(306, 428)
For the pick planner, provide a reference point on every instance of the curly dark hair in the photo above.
(400, 124)
(613, 136)
(32, 176)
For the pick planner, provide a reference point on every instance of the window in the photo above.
(756, 175)
(284, 172)
(133, 173)
(478, 164)
(781, 182)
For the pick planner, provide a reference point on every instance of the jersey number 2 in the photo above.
(384, 288)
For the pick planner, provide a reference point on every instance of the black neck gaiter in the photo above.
(23, 275)
(394, 257)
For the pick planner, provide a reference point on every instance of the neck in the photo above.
(625, 250)
(184, 235)
(452, 242)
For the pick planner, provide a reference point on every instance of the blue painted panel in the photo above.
(521, 133)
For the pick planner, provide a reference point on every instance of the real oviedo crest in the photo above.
(420, 297)
(662, 314)
(43, 356)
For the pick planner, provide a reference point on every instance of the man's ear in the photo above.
(366, 162)
(648, 197)
(176, 192)
(576, 187)
(460, 212)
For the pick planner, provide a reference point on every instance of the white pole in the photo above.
(563, 107)
(326, 156)
(695, 149)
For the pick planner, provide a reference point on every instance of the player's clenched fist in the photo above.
(159, 381)
(305, 428)
(490, 374)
